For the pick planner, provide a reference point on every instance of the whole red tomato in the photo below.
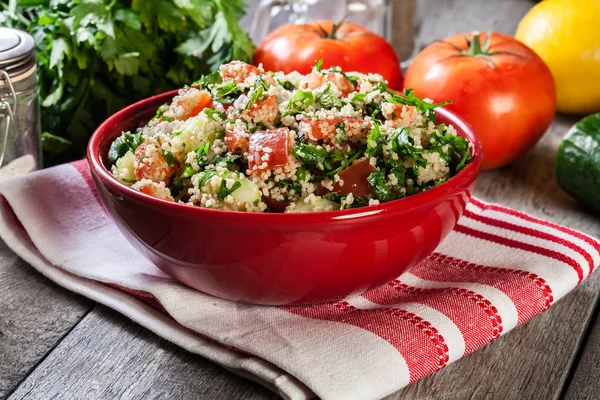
(499, 85)
(296, 47)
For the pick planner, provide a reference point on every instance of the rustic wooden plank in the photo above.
(35, 314)
(584, 383)
(108, 356)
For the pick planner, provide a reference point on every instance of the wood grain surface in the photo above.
(53, 346)
(107, 356)
(35, 314)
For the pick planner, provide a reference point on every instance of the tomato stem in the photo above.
(334, 29)
(478, 50)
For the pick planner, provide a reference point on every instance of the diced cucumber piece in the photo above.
(248, 192)
(243, 190)
(196, 131)
(123, 169)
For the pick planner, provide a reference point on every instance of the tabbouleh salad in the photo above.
(247, 140)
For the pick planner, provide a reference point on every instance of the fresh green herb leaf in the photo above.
(169, 157)
(400, 174)
(226, 93)
(412, 99)
(224, 191)
(310, 155)
(404, 145)
(294, 185)
(124, 143)
(374, 141)
(345, 164)
(54, 144)
(353, 79)
(299, 102)
(340, 130)
(186, 174)
(319, 65)
(211, 112)
(202, 155)
(255, 93)
(382, 191)
(358, 97)
(227, 159)
(457, 150)
(208, 80)
(301, 174)
(341, 200)
(206, 176)
(287, 85)
(373, 110)
(325, 96)
(160, 113)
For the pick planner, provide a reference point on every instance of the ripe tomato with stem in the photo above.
(499, 85)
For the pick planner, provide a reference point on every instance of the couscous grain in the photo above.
(243, 139)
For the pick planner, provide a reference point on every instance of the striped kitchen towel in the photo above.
(497, 269)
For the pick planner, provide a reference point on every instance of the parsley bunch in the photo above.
(96, 56)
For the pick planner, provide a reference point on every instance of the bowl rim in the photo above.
(414, 202)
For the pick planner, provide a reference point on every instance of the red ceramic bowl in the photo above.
(279, 258)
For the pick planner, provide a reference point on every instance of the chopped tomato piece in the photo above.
(348, 128)
(316, 79)
(265, 111)
(400, 112)
(238, 71)
(269, 150)
(189, 104)
(236, 143)
(155, 191)
(204, 101)
(154, 168)
(354, 179)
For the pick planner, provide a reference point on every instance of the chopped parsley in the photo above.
(226, 93)
(207, 80)
(299, 102)
(224, 191)
(169, 157)
(124, 143)
(379, 185)
(365, 134)
(325, 96)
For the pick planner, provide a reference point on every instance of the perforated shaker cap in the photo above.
(16, 51)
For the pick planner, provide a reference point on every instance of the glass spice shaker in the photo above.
(20, 144)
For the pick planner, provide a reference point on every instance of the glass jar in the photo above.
(20, 144)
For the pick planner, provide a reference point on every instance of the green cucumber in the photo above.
(577, 162)
(124, 169)
(248, 192)
(245, 192)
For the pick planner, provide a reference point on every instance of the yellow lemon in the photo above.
(566, 35)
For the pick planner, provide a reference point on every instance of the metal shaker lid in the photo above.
(16, 51)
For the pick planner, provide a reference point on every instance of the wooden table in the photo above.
(55, 344)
